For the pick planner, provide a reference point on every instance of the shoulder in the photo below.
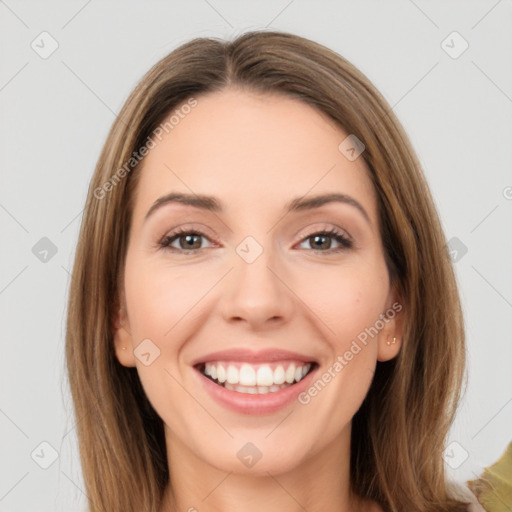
(475, 505)
(457, 490)
(462, 492)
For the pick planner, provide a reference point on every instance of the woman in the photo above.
(263, 313)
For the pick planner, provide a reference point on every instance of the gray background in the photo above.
(56, 113)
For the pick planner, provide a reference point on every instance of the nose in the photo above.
(257, 294)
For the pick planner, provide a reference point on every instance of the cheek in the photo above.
(162, 302)
(349, 303)
(347, 300)
(160, 296)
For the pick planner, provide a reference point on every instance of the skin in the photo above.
(255, 153)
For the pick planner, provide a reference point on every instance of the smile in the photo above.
(255, 378)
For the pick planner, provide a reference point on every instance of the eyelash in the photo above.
(344, 241)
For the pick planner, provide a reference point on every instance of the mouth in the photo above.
(256, 379)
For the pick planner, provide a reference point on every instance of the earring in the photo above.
(389, 342)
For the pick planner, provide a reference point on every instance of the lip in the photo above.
(246, 403)
(253, 356)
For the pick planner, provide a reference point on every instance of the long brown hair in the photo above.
(398, 434)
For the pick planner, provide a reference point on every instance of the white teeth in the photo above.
(279, 375)
(221, 373)
(254, 390)
(247, 375)
(232, 375)
(290, 374)
(257, 378)
(264, 377)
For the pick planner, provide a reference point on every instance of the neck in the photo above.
(320, 482)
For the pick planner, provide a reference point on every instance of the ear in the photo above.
(391, 335)
(123, 343)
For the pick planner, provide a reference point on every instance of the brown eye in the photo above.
(188, 241)
(322, 241)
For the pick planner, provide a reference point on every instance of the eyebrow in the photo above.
(210, 203)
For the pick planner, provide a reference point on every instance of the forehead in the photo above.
(252, 151)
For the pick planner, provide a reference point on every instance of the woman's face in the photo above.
(245, 281)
